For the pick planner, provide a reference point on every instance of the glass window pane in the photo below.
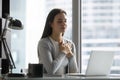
(100, 29)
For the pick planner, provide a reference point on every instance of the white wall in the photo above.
(34, 28)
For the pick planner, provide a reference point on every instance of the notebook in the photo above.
(99, 64)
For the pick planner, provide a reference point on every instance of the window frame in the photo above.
(76, 30)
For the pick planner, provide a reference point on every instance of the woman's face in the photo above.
(59, 23)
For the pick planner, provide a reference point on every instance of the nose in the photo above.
(64, 23)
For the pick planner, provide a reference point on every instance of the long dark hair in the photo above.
(50, 18)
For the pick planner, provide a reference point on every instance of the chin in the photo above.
(63, 31)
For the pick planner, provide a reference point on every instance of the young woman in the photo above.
(55, 52)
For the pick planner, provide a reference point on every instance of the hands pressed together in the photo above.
(66, 48)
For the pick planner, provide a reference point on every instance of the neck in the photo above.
(58, 38)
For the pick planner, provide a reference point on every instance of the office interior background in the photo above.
(92, 25)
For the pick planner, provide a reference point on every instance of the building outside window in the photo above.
(100, 26)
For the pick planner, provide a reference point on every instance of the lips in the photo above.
(62, 28)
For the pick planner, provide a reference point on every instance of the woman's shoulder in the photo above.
(44, 40)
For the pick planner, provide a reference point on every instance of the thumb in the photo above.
(60, 43)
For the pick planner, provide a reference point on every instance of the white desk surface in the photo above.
(113, 77)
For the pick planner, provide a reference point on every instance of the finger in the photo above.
(69, 44)
(60, 43)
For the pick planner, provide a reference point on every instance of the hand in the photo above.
(70, 54)
(62, 48)
(66, 48)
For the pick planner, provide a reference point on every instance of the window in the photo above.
(100, 29)
(17, 11)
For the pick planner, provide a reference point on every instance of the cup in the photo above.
(35, 70)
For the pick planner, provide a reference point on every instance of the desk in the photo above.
(66, 78)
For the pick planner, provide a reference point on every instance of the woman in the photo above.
(55, 52)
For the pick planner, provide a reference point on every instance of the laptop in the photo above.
(99, 64)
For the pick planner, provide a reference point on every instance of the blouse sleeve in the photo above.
(45, 55)
(73, 67)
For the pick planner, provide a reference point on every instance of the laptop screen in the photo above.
(100, 63)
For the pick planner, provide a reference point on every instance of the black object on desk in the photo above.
(35, 70)
(15, 75)
(5, 66)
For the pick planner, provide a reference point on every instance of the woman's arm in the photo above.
(45, 54)
(73, 67)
